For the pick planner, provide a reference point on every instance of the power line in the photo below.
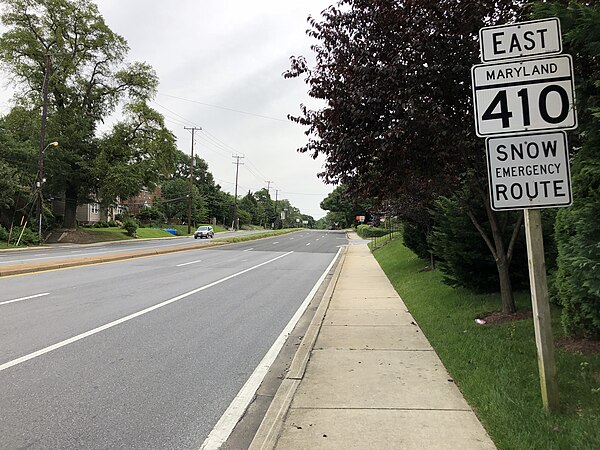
(225, 108)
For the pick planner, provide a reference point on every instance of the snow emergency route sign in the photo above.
(524, 96)
(529, 171)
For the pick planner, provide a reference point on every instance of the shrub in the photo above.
(368, 231)
(3, 234)
(151, 214)
(415, 239)
(463, 255)
(29, 237)
(578, 239)
(130, 226)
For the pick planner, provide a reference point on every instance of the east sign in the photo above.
(520, 40)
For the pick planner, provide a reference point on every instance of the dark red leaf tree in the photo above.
(397, 125)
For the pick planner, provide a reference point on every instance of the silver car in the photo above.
(204, 232)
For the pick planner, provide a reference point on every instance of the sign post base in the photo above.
(542, 320)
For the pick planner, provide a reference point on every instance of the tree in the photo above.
(344, 207)
(396, 125)
(577, 227)
(174, 201)
(249, 204)
(16, 173)
(67, 42)
(134, 155)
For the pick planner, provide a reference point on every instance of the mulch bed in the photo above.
(583, 346)
(498, 317)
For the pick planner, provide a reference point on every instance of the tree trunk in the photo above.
(506, 292)
(70, 216)
(501, 254)
(502, 264)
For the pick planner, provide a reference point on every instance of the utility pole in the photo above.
(276, 213)
(267, 200)
(42, 147)
(237, 163)
(190, 195)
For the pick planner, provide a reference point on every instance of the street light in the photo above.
(39, 184)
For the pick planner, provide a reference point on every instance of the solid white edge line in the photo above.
(188, 263)
(58, 345)
(240, 403)
(24, 298)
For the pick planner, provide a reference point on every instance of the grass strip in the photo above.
(252, 237)
(495, 366)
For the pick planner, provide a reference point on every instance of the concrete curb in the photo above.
(62, 264)
(270, 428)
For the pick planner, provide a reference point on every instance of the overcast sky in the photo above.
(230, 53)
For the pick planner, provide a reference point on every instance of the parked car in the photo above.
(204, 232)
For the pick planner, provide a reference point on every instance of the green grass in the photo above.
(107, 234)
(251, 237)
(182, 229)
(118, 234)
(495, 366)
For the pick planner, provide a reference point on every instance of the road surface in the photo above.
(146, 353)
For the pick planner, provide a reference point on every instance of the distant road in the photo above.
(146, 353)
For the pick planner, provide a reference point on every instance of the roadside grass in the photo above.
(107, 234)
(119, 234)
(182, 229)
(495, 366)
(251, 237)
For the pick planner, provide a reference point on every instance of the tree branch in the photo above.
(482, 233)
(513, 238)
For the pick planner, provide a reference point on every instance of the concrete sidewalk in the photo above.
(366, 377)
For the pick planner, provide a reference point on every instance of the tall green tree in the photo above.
(577, 227)
(68, 42)
(174, 201)
(343, 206)
(138, 152)
(16, 172)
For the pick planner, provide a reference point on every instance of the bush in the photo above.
(3, 234)
(415, 239)
(151, 214)
(29, 237)
(112, 223)
(130, 226)
(367, 231)
(578, 239)
(464, 258)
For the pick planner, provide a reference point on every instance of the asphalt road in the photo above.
(146, 353)
(55, 252)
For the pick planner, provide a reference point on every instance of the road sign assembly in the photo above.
(528, 91)
(529, 171)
